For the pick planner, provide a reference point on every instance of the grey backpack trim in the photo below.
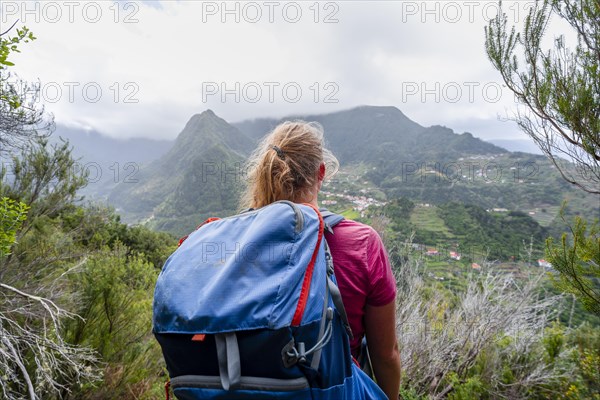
(331, 220)
(246, 383)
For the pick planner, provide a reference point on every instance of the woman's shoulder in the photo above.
(355, 230)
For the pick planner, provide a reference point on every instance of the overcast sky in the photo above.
(144, 68)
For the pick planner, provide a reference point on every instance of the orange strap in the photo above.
(211, 219)
(308, 274)
(167, 387)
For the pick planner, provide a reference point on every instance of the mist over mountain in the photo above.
(107, 160)
(521, 145)
(92, 146)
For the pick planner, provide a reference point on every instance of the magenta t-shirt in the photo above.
(362, 271)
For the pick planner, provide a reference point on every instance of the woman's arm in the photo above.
(380, 328)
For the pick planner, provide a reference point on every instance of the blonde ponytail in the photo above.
(285, 164)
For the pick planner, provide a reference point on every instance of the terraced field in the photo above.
(426, 218)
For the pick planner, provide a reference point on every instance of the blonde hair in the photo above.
(285, 164)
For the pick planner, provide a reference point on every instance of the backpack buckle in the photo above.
(292, 355)
(329, 262)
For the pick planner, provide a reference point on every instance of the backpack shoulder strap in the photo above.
(331, 219)
(334, 291)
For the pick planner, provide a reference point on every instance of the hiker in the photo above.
(290, 164)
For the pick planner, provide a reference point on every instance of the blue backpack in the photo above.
(247, 308)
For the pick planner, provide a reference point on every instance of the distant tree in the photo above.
(559, 87)
(12, 215)
(579, 263)
(44, 177)
(559, 93)
(21, 118)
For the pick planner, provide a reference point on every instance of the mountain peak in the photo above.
(380, 110)
(205, 120)
(377, 108)
(203, 131)
(207, 113)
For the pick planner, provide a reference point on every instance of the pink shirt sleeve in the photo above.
(382, 284)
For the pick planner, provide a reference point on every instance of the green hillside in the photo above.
(464, 228)
(430, 226)
(435, 165)
(201, 174)
(198, 177)
(390, 137)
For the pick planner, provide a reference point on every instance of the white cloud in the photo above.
(426, 58)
